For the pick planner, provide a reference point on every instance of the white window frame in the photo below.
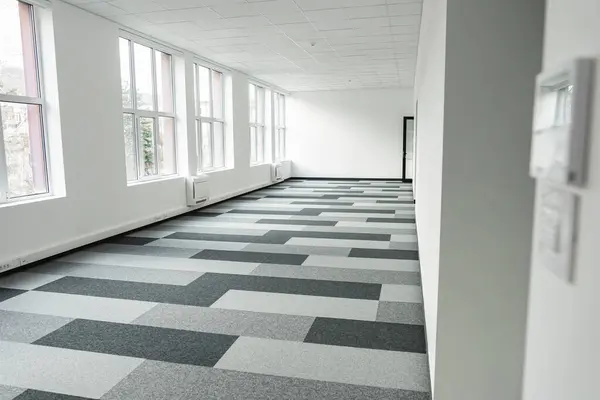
(280, 128)
(28, 100)
(154, 114)
(210, 119)
(258, 126)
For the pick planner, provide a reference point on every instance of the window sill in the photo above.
(259, 164)
(30, 200)
(210, 171)
(154, 180)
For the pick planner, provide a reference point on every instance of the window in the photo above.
(257, 124)
(210, 123)
(149, 116)
(23, 156)
(279, 123)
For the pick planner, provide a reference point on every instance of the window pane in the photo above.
(148, 161)
(281, 143)
(276, 109)
(204, 82)
(18, 70)
(260, 144)
(276, 145)
(282, 110)
(260, 105)
(164, 81)
(217, 82)
(125, 72)
(206, 146)
(166, 146)
(252, 101)
(252, 144)
(219, 145)
(24, 147)
(143, 77)
(130, 147)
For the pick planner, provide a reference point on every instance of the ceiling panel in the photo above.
(295, 44)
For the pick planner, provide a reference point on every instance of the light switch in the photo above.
(556, 219)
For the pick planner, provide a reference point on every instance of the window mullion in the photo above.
(132, 86)
(3, 167)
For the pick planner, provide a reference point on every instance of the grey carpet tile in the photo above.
(339, 274)
(390, 254)
(26, 327)
(148, 342)
(251, 256)
(367, 334)
(172, 252)
(219, 304)
(296, 222)
(158, 381)
(9, 392)
(401, 313)
(39, 395)
(6, 294)
(228, 322)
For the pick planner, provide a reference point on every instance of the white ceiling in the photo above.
(298, 45)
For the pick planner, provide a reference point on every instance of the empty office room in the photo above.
(299, 199)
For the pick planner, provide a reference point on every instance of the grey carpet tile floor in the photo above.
(309, 289)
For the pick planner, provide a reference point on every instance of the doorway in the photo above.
(408, 149)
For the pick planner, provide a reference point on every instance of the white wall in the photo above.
(98, 201)
(476, 252)
(429, 92)
(348, 133)
(563, 346)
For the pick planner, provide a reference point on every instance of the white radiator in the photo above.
(276, 172)
(198, 190)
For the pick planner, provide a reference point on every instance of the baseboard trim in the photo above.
(62, 249)
(322, 178)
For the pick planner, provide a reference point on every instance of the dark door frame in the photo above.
(404, 125)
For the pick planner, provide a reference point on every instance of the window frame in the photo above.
(28, 100)
(154, 114)
(280, 130)
(211, 120)
(259, 127)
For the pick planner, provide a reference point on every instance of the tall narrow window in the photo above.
(279, 120)
(210, 121)
(149, 115)
(256, 100)
(23, 156)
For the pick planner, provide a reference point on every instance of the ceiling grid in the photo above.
(299, 45)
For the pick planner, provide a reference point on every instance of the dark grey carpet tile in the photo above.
(279, 237)
(251, 256)
(6, 294)
(186, 295)
(155, 380)
(322, 203)
(331, 197)
(130, 240)
(396, 190)
(251, 197)
(152, 343)
(395, 201)
(391, 254)
(373, 196)
(296, 222)
(367, 334)
(337, 191)
(204, 214)
(212, 237)
(309, 287)
(172, 252)
(393, 220)
(31, 394)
